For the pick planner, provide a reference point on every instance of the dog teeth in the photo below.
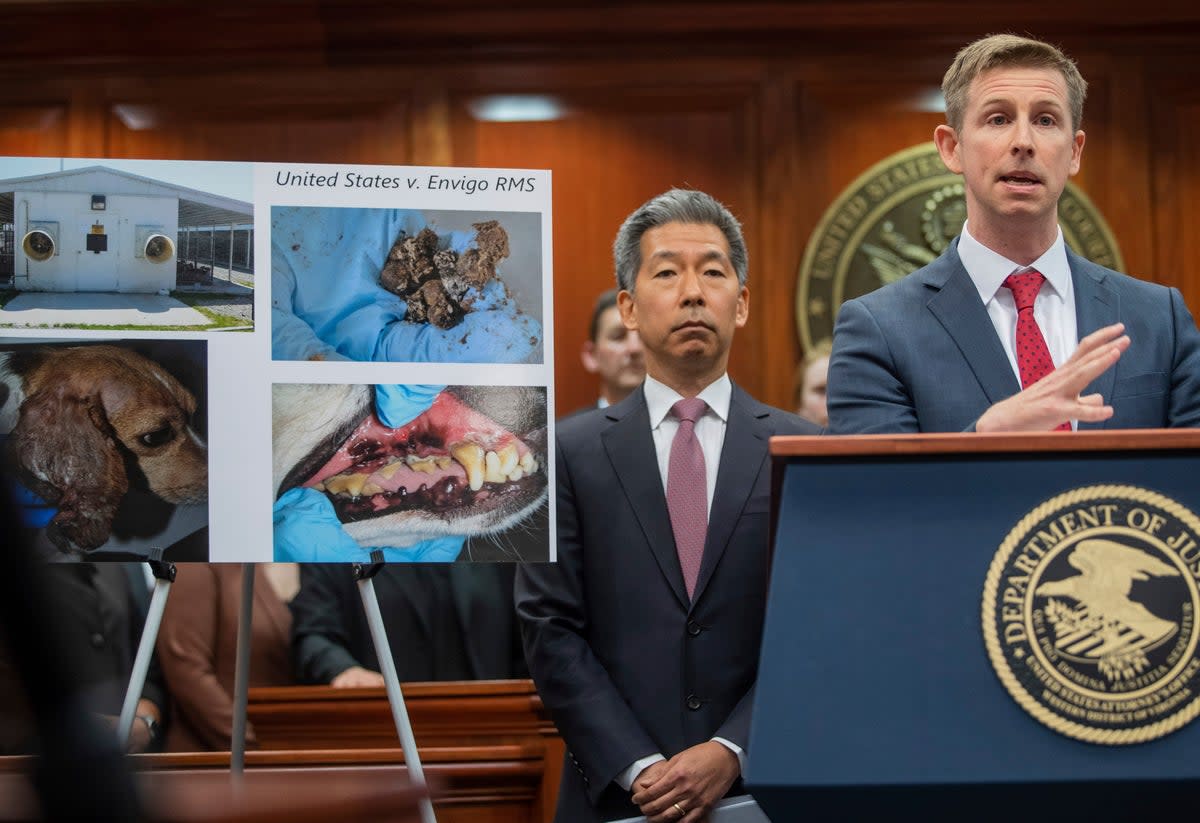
(508, 459)
(350, 484)
(492, 473)
(503, 465)
(471, 456)
(425, 465)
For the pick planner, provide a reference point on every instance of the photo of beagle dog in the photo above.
(472, 464)
(93, 429)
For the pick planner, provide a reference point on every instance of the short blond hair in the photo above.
(999, 50)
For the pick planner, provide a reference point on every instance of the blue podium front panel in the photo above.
(874, 670)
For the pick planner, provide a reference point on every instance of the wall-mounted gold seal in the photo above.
(1089, 614)
(899, 215)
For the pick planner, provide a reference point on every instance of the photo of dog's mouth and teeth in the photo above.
(473, 463)
(450, 456)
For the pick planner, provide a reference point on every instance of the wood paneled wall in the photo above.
(773, 107)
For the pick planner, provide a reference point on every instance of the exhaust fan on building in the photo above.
(153, 245)
(41, 241)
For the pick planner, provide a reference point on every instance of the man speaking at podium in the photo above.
(643, 638)
(1009, 330)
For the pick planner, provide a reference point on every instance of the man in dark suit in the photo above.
(445, 621)
(1009, 330)
(643, 638)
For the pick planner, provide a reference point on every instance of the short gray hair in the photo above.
(676, 206)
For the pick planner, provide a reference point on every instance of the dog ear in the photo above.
(66, 452)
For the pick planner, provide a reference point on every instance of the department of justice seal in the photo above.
(1089, 614)
(899, 215)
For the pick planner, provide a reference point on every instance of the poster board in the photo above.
(194, 341)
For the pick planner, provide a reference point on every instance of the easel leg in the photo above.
(391, 679)
(164, 576)
(241, 674)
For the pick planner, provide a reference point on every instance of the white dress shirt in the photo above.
(710, 431)
(1054, 308)
(710, 426)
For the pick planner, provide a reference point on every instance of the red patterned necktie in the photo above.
(1033, 357)
(687, 490)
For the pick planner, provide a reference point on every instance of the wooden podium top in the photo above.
(901, 444)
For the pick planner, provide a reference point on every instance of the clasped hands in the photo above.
(687, 786)
(1057, 397)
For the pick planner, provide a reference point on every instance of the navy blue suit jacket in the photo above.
(922, 355)
(625, 663)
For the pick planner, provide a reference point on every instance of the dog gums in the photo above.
(449, 457)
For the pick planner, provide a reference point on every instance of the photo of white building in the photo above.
(97, 229)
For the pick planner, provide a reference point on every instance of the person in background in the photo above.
(101, 608)
(80, 773)
(444, 621)
(612, 352)
(197, 645)
(808, 391)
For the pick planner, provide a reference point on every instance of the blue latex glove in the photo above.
(396, 405)
(307, 531)
(327, 302)
(32, 510)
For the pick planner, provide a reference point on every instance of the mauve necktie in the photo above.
(687, 495)
(1033, 357)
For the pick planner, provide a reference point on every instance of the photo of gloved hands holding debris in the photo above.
(405, 285)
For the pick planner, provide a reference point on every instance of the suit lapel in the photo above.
(958, 308)
(742, 456)
(1096, 306)
(630, 449)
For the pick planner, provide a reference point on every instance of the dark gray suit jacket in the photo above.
(922, 355)
(626, 665)
(445, 621)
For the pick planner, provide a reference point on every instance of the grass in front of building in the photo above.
(217, 321)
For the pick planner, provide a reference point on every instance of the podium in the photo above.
(877, 693)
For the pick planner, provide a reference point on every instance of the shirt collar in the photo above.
(988, 269)
(661, 397)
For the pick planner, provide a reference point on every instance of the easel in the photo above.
(164, 576)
